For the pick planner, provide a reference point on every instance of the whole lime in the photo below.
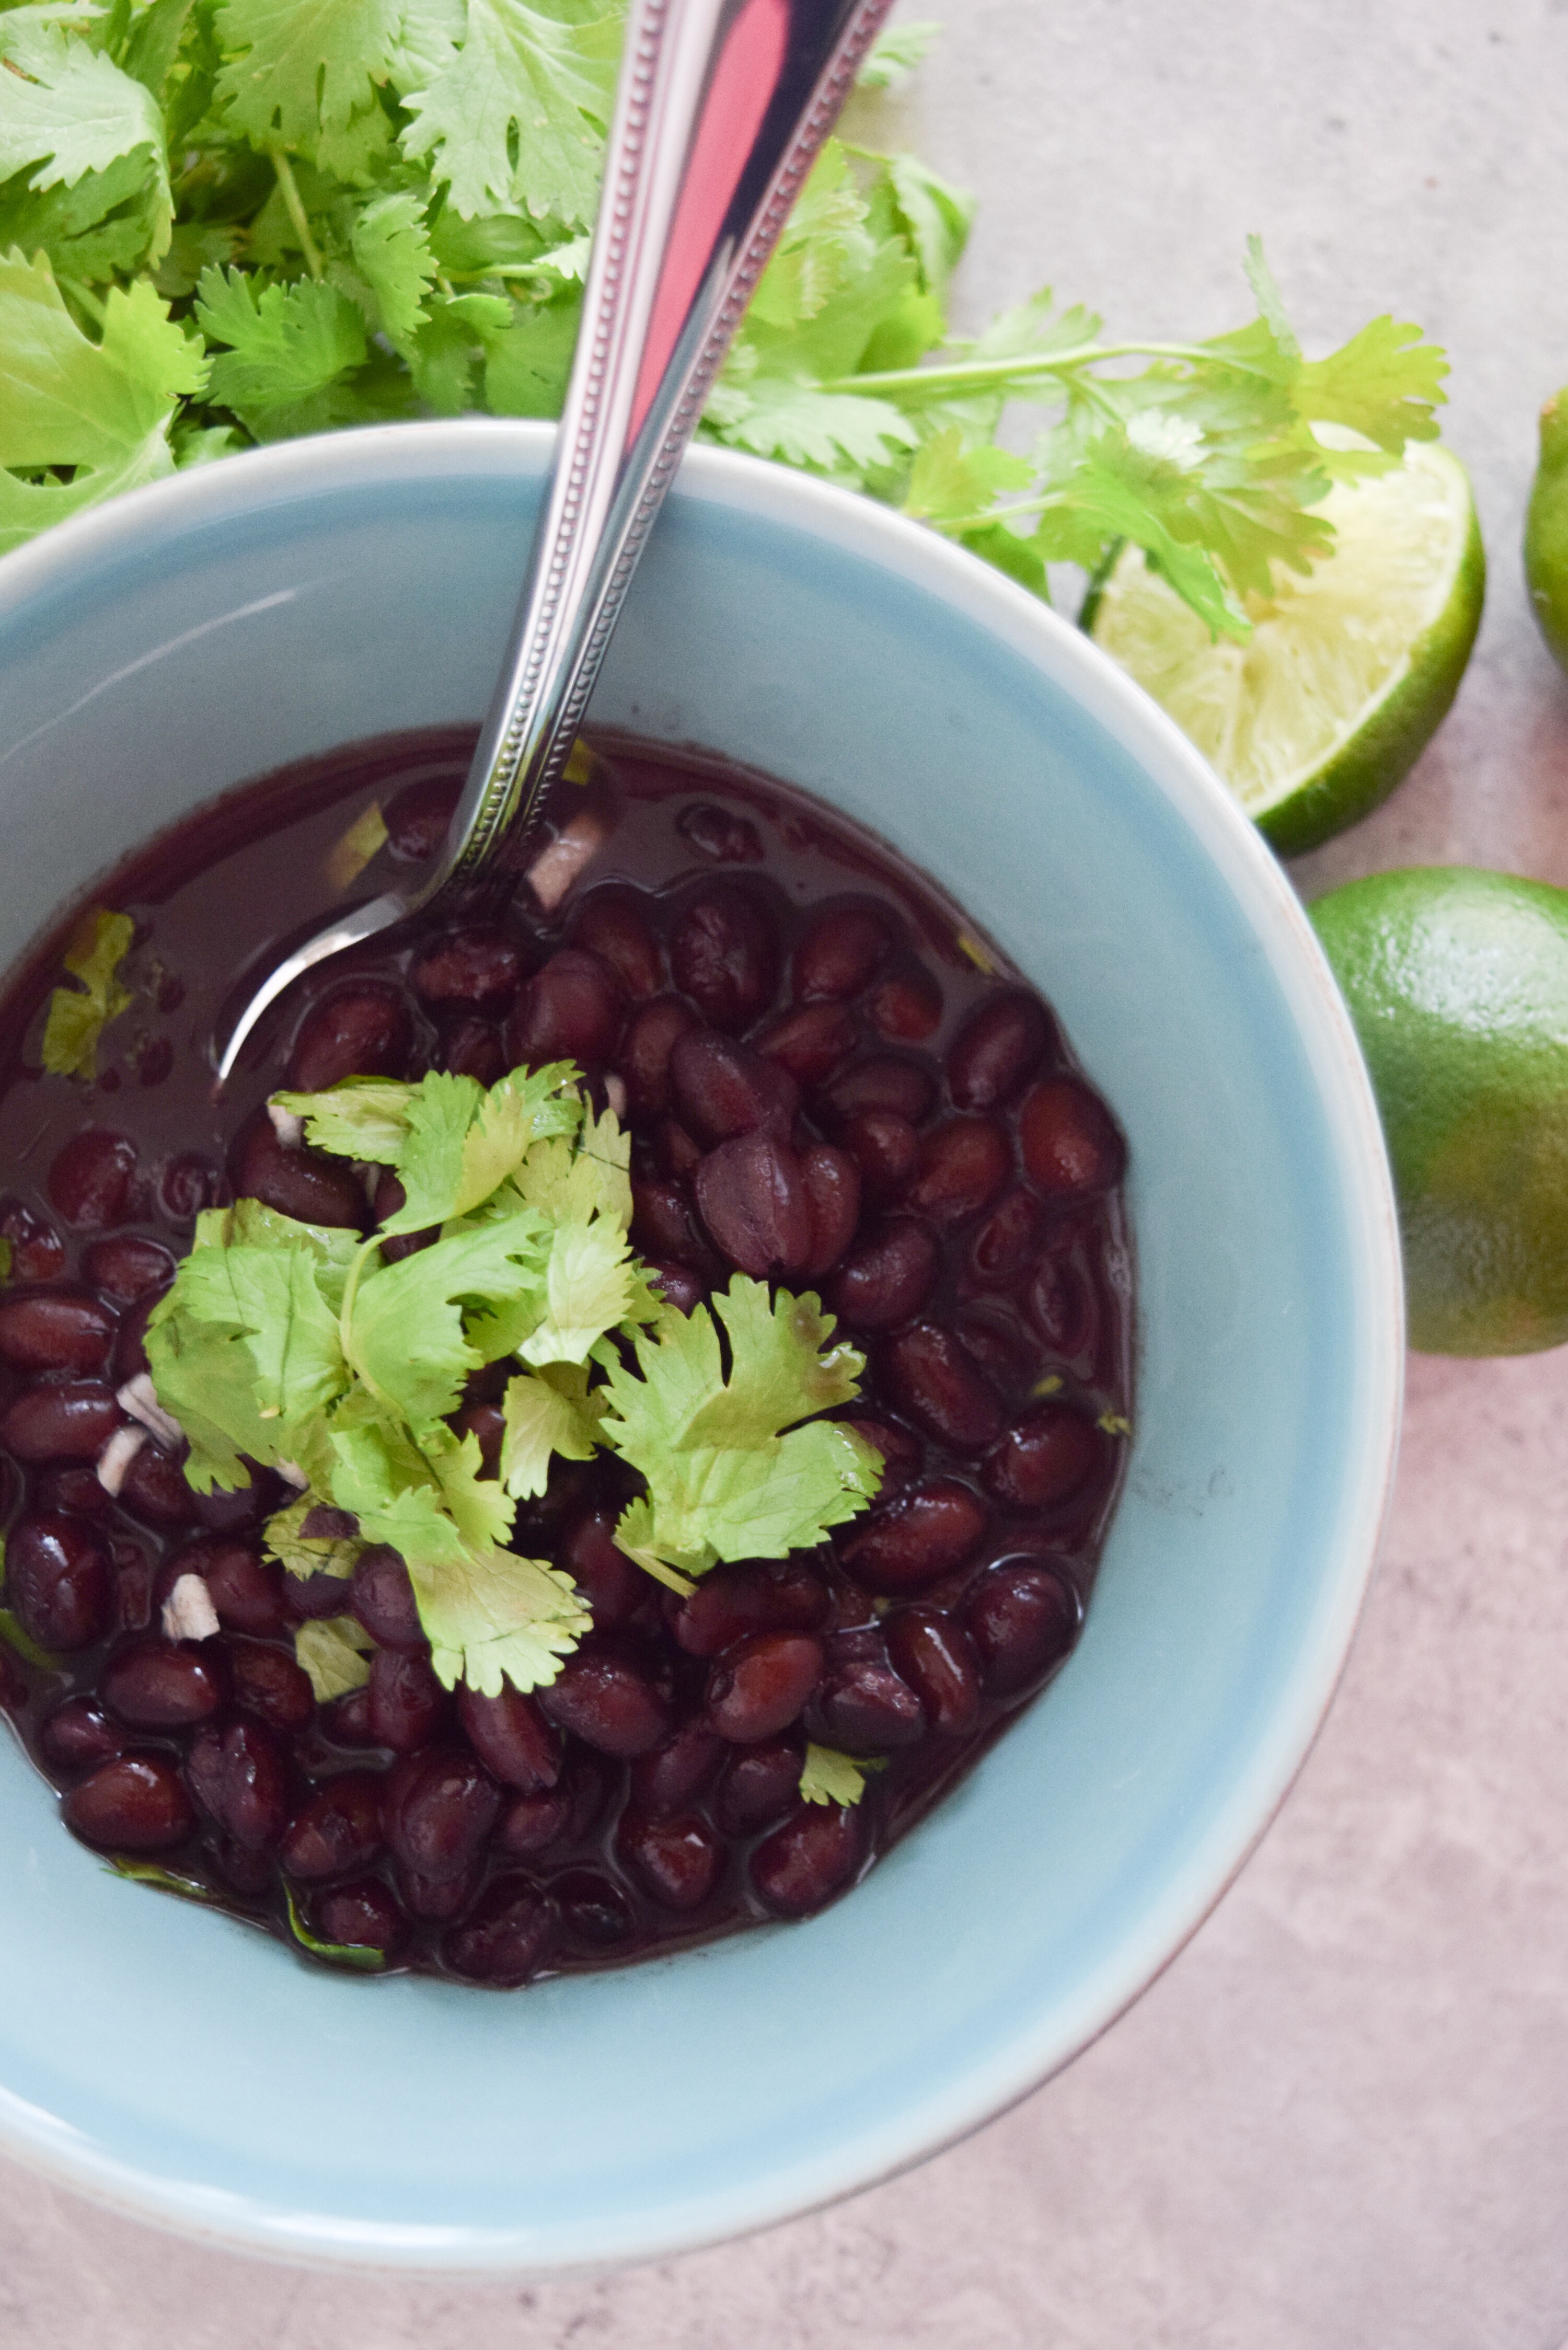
(1458, 983)
(1546, 529)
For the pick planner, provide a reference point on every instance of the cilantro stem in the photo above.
(289, 188)
(990, 375)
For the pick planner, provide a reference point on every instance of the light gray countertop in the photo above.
(1341, 2119)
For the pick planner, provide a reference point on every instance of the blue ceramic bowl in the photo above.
(187, 2069)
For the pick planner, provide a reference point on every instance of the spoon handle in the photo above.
(720, 108)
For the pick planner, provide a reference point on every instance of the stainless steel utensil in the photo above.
(721, 106)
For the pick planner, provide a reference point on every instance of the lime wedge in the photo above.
(1349, 669)
(1546, 529)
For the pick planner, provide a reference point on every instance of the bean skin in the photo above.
(814, 1854)
(963, 1165)
(239, 1776)
(863, 1706)
(357, 1031)
(570, 1010)
(302, 1184)
(888, 1081)
(128, 1268)
(719, 1089)
(1005, 1243)
(611, 924)
(135, 1803)
(62, 1330)
(382, 1599)
(751, 1196)
(1044, 1458)
(677, 1861)
(841, 952)
(935, 1655)
(37, 1253)
(269, 1683)
(1022, 1619)
(1062, 1307)
(724, 956)
(832, 1181)
(757, 1687)
(907, 1007)
(337, 1832)
(189, 1184)
(759, 1785)
(75, 1491)
(602, 1697)
(1070, 1147)
(645, 1052)
(1000, 1046)
(79, 1735)
(505, 1937)
(910, 1542)
(753, 1595)
(673, 1775)
(809, 1041)
(476, 968)
(408, 1704)
(885, 1277)
(363, 1916)
(593, 1911)
(438, 1809)
(91, 1179)
(719, 833)
(57, 1580)
(154, 1684)
(939, 1385)
(510, 1738)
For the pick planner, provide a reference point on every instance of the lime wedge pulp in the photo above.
(1349, 668)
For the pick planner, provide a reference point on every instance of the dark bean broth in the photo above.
(985, 1271)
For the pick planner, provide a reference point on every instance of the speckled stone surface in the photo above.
(1341, 2118)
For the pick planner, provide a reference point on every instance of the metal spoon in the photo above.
(720, 106)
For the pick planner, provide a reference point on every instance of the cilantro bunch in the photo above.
(311, 1351)
(225, 222)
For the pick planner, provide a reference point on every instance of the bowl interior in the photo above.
(211, 629)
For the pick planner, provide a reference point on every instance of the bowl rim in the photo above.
(386, 454)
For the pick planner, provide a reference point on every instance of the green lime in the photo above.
(1546, 529)
(1349, 668)
(1457, 983)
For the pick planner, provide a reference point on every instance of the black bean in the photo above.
(358, 1031)
(510, 1738)
(79, 1735)
(1044, 1458)
(382, 1597)
(1070, 1146)
(905, 1084)
(751, 1196)
(811, 1857)
(730, 1602)
(439, 1898)
(417, 817)
(337, 1830)
(155, 1489)
(127, 1267)
(594, 1911)
(673, 1775)
(724, 955)
(37, 1253)
(474, 969)
(1023, 1617)
(471, 1048)
(941, 1388)
(602, 1697)
(408, 1704)
(269, 1681)
(720, 833)
(505, 1937)
(533, 1823)
(1000, 1046)
(676, 1860)
(613, 1585)
(721, 1089)
(935, 1655)
(156, 1684)
(189, 1184)
(363, 1916)
(239, 1776)
(91, 1179)
(885, 1277)
(300, 1183)
(840, 952)
(61, 1330)
(1005, 1243)
(809, 1041)
(644, 1053)
(964, 1164)
(611, 923)
(759, 1784)
(886, 1148)
(438, 1808)
(758, 1686)
(906, 1007)
(832, 1181)
(908, 1543)
(862, 1705)
(246, 1589)
(570, 1010)
(57, 1580)
(135, 1803)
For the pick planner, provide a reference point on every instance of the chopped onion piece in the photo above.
(188, 1612)
(140, 1399)
(287, 1125)
(117, 1455)
(553, 872)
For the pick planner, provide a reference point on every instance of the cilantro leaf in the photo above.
(824, 431)
(334, 1651)
(290, 347)
(1384, 383)
(69, 110)
(77, 1016)
(546, 1413)
(300, 68)
(286, 1541)
(512, 117)
(830, 1777)
(895, 54)
(724, 1478)
(403, 1324)
(497, 1618)
(99, 227)
(391, 249)
(366, 1958)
